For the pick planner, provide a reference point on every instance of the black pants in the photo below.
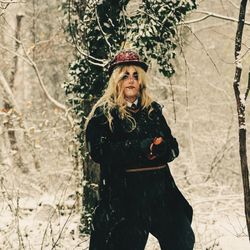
(147, 204)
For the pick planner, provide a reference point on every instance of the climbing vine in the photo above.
(98, 29)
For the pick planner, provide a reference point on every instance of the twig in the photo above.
(79, 244)
(15, 53)
(102, 61)
(34, 66)
(221, 198)
(11, 206)
(102, 31)
(51, 233)
(248, 86)
(125, 24)
(179, 40)
(45, 231)
(64, 191)
(204, 50)
(236, 6)
(151, 16)
(65, 223)
(221, 153)
(19, 234)
(235, 233)
(9, 2)
(211, 14)
(8, 90)
(173, 99)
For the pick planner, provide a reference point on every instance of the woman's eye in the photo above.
(135, 76)
(124, 77)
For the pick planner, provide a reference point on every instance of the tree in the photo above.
(18, 161)
(98, 30)
(241, 106)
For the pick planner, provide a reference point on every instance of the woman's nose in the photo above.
(131, 78)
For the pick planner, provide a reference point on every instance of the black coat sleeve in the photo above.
(104, 149)
(169, 150)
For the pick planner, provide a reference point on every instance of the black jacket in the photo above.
(122, 149)
(126, 148)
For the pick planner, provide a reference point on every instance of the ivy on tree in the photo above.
(99, 29)
(153, 30)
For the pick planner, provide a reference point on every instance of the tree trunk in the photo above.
(17, 157)
(240, 101)
(245, 175)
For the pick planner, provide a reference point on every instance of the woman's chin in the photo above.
(130, 98)
(130, 95)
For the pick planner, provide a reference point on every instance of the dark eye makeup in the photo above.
(126, 76)
(135, 75)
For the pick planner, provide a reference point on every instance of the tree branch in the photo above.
(173, 99)
(233, 4)
(15, 53)
(211, 14)
(55, 102)
(204, 48)
(33, 64)
(29, 61)
(101, 62)
(103, 33)
(8, 2)
(8, 90)
(4, 5)
(248, 86)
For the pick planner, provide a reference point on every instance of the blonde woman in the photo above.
(127, 134)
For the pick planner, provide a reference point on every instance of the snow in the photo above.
(39, 219)
(40, 230)
(41, 225)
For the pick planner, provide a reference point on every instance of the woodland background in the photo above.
(40, 177)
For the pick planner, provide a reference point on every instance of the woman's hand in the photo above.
(157, 148)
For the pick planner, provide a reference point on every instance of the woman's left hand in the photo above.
(158, 146)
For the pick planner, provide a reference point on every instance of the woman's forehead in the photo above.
(129, 68)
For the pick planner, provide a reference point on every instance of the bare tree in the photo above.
(240, 101)
(7, 106)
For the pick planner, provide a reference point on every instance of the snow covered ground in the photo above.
(30, 223)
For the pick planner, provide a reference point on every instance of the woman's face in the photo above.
(130, 84)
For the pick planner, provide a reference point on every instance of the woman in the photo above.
(127, 134)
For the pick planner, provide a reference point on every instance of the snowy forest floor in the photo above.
(31, 219)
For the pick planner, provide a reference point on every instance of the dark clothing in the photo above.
(134, 204)
(113, 147)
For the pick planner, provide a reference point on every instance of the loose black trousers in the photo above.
(146, 204)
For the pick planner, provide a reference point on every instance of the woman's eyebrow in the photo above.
(126, 73)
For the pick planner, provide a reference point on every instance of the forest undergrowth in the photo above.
(40, 210)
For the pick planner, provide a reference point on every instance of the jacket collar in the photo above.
(129, 104)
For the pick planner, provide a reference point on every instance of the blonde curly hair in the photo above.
(113, 96)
